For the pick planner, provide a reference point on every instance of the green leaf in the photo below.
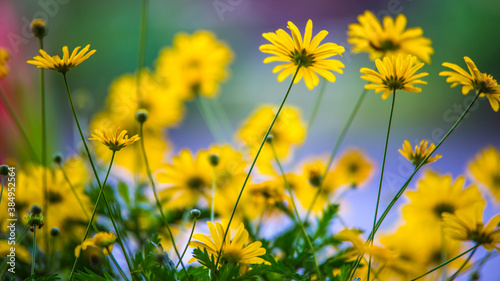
(324, 222)
(124, 192)
(90, 275)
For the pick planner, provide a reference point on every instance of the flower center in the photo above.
(353, 168)
(54, 197)
(443, 207)
(231, 255)
(480, 237)
(302, 57)
(394, 83)
(496, 180)
(384, 46)
(315, 178)
(486, 84)
(195, 182)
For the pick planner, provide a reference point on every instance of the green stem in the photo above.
(34, 251)
(455, 275)
(253, 163)
(158, 204)
(209, 118)
(117, 266)
(212, 209)
(445, 263)
(340, 138)
(405, 185)
(306, 237)
(101, 186)
(443, 251)
(142, 39)
(187, 245)
(18, 124)
(319, 99)
(382, 174)
(1, 190)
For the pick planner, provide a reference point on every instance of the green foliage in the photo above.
(90, 275)
(324, 222)
(47, 277)
(154, 262)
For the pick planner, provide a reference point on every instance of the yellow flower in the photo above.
(309, 54)
(396, 73)
(66, 63)
(389, 40)
(287, 131)
(266, 198)
(486, 170)
(4, 56)
(234, 250)
(436, 195)
(353, 168)
(196, 64)
(115, 141)
(418, 155)
(481, 82)
(188, 180)
(21, 252)
(467, 225)
(103, 240)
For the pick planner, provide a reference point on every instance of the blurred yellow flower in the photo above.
(436, 195)
(4, 56)
(354, 168)
(391, 39)
(467, 225)
(116, 141)
(481, 82)
(66, 63)
(309, 54)
(21, 252)
(486, 169)
(266, 198)
(103, 240)
(288, 130)
(418, 155)
(196, 64)
(189, 179)
(234, 250)
(396, 73)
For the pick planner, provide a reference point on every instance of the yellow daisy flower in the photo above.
(234, 250)
(481, 82)
(391, 39)
(396, 73)
(486, 169)
(436, 195)
(4, 56)
(421, 151)
(467, 225)
(353, 168)
(266, 198)
(196, 64)
(312, 57)
(103, 240)
(115, 141)
(66, 63)
(189, 179)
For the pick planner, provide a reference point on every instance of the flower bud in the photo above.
(54, 232)
(141, 115)
(195, 213)
(39, 28)
(57, 158)
(4, 170)
(269, 139)
(213, 159)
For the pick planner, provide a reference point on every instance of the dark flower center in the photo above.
(384, 46)
(480, 237)
(353, 168)
(443, 207)
(394, 83)
(496, 180)
(195, 182)
(302, 57)
(54, 197)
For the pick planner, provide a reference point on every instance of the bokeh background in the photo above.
(457, 29)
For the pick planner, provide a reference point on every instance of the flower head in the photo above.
(481, 82)
(234, 250)
(486, 169)
(354, 168)
(103, 240)
(309, 54)
(418, 155)
(4, 56)
(196, 64)
(469, 226)
(115, 141)
(396, 73)
(66, 63)
(391, 39)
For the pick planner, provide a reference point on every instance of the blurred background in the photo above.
(457, 29)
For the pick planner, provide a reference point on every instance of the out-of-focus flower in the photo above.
(66, 63)
(103, 240)
(486, 169)
(309, 54)
(354, 168)
(4, 56)
(116, 141)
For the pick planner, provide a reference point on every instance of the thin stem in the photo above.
(340, 138)
(212, 210)
(209, 118)
(382, 173)
(443, 251)
(187, 245)
(306, 237)
(101, 186)
(319, 99)
(445, 263)
(34, 251)
(405, 185)
(455, 275)
(18, 124)
(76, 194)
(158, 204)
(253, 163)
(259, 224)
(1, 190)
(142, 39)
(117, 266)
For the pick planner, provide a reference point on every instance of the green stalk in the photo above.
(209, 118)
(187, 245)
(340, 138)
(319, 99)
(19, 125)
(212, 210)
(445, 263)
(101, 186)
(76, 195)
(117, 266)
(142, 39)
(1, 190)
(306, 237)
(455, 275)
(34, 251)
(382, 175)
(158, 204)
(253, 163)
(405, 185)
